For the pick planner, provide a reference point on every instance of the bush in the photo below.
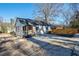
(0, 31)
(64, 31)
(4, 29)
(13, 33)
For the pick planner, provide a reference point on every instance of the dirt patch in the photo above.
(5, 35)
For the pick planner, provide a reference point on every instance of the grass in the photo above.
(18, 47)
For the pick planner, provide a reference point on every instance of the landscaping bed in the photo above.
(67, 32)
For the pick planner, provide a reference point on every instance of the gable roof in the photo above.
(31, 22)
(25, 21)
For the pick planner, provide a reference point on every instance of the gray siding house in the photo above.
(26, 27)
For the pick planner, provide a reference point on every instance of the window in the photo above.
(24, 28)
(37, 28)
(17, 28)
(30, 27)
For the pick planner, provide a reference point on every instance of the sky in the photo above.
(10, 10)
(23, 10)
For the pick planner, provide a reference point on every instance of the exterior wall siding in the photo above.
(19, 29)
(37, 29)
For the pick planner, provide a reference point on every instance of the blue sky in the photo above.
(10, 10)
(24, 10)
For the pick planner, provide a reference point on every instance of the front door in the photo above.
(27, 30)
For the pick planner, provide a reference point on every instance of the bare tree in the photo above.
(38, 18)
(75, 18)
(54, 10)
(66, 17)
(3, 25)
(12, 24)
(66, 13)
(0, 23)
(74, 7)
(48, 10)
(1, 20)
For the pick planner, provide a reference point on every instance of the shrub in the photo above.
(64, 31)
(0, 31)
(13, 33)
(4, 29)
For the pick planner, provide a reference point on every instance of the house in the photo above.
(23, 26)
(42, 27)
(26, 27)
(58, 27)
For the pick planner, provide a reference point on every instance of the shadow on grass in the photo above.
(52, 50)
(60, 38)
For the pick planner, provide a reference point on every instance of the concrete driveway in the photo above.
(55, 45)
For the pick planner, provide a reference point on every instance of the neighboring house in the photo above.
(58, 27)
(26, 27)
